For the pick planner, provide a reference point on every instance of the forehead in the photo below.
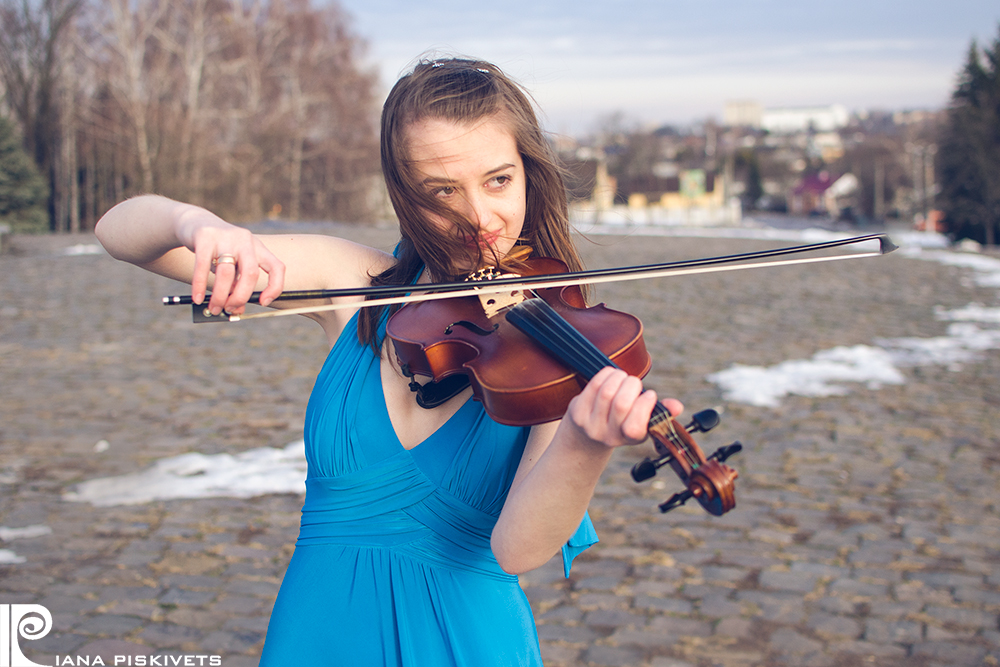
(439, 147)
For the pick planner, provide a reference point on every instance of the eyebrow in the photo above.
(436, 181)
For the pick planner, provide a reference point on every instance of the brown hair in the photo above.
(464, 91)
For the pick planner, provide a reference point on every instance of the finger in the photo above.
(674, 406)
(247, 271)
(629, 389)
(275, 269)
(225, 276)
(202, 268)
(635, 426)
(606, 384)
(608, 400)
(582, 407)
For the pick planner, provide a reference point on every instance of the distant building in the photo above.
(742, 113)
(914, 116)
(803, 119)
(822, 194)
(826, 145)
(788, 120)
(587, 179)
(694, 197)
(692, 188)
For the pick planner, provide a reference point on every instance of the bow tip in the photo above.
(886, 245)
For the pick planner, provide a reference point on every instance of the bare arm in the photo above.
(562, 464)
(180, 241)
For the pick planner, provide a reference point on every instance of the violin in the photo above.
(527, 353)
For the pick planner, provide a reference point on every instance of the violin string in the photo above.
(589, 355)
(586, 357)
(680, 443)
(662, 415)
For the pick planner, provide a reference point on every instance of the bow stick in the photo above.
(395, 294)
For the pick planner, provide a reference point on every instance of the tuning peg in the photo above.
(676, 501)
(643, 470)
(723, 453)
(703, 421)
(647, 468)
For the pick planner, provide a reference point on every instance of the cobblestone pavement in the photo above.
(866, 531)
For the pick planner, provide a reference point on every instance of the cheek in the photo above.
(517, 214)
(436, 221)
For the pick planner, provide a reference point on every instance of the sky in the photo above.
(677, 62)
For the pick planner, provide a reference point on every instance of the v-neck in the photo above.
(377, 362)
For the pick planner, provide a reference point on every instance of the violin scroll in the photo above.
(708, 480)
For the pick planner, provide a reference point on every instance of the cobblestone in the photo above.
(866, 530)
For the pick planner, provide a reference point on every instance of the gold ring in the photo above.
(224, 259)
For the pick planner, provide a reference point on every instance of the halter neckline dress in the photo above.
(393, 564)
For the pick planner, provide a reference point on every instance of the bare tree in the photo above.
(245, 106)
(32, 54)
(134, 69)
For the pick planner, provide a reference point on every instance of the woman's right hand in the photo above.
(180, 241)
(211, 238)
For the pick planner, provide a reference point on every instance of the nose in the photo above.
(478, 209)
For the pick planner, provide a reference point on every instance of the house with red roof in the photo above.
(822, 194)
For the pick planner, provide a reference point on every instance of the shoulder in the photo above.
(326, 262)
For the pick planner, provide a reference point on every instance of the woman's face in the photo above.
(476, 170)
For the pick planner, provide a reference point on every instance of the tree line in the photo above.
(969, 150)
(248, 107)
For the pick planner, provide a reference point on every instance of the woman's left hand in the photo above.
(613, 410)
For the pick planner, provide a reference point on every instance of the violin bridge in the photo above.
(495, 303)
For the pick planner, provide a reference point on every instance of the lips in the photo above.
(487, 239)
(484, 240)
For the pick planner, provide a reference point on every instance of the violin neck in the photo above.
(544, 325)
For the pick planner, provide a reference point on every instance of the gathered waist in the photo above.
(393, 505)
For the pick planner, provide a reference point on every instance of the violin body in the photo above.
(518, 381)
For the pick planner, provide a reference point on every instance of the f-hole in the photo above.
(474, 328)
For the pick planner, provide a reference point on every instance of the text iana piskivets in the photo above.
(141, 661)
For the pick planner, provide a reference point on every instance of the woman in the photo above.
(416, 521)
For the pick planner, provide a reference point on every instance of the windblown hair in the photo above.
(463, 91)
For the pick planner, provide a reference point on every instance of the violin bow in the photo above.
(395, 294)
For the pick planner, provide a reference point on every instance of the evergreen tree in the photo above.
(970, 149)
(23, 192)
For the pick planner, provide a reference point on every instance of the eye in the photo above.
(443, 192)
(499, 182)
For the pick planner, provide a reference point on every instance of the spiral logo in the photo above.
(21, 621)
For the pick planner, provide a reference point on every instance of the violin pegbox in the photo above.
(708, 480)
(495, 303)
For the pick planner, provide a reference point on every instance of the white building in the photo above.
(801, 119)
(742, 113)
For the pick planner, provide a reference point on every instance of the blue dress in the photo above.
(393, 564)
